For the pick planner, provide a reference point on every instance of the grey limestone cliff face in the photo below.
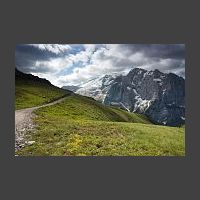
(158, 95)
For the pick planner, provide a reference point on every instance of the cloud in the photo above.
(75, 64)
(52, 65)
(54, 48)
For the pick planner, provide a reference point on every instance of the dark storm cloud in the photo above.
(26, 57)
(165, 57)
(174, 51)
(36, 53)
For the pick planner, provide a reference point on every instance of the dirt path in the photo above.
(24, 123)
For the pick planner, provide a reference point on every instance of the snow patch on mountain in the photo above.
(157, 79)
(128, 88)
(141, 105)
(183, 118)
(97, 87)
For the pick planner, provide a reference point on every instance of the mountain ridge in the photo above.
(32, 91)
(158, 95)
(161, 96)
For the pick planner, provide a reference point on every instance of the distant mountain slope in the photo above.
(72, 88)
(32, 91)
(160, 96)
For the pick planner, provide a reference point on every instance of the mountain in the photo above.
(97, 87)
(158, 95)
(72, 88)
(20, 76)
(32, 91)
(83, 126)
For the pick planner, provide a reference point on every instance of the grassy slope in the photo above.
(30, 93)
(81, 126)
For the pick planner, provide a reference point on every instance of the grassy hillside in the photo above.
(31, 91)
(82, 126)
(81, 108)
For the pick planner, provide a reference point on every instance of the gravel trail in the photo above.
(24, 123)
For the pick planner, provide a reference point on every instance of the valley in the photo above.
(82, 126)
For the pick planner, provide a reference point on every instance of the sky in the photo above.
(74, 64)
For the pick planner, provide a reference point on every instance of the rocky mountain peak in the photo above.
(158, 95)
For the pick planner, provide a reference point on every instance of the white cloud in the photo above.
(112, 59)
(54, 48)
(95, 60)
(53, 65)
(89, 47)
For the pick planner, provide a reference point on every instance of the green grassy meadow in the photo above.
(80, 126)
(31, 93)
